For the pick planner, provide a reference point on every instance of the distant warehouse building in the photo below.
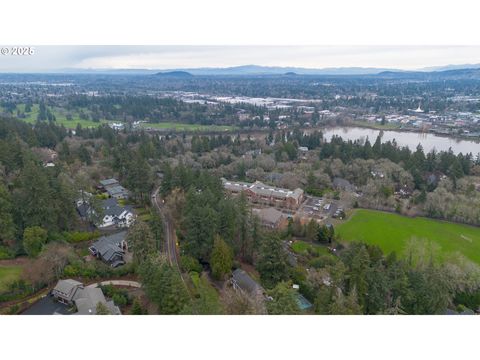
(260, 193)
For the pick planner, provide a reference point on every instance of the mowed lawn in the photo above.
(391, 232)
(61, 118)
(187, 127)
(7, 275)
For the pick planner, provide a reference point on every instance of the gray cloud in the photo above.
(57, 58)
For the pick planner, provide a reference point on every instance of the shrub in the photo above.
(188, 264)
(119, 299)
(33, 240)
(70, 271)
(80, 236)
(6, 253)
(322, 261)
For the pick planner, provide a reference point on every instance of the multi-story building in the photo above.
(263, 194)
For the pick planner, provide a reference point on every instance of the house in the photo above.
(111, 249)
(114, 214)
(243, 282)
(109, 182)
(271, 217)
(85, 299)
(342, 184)
(65, 290)
(260, 193)
(118, 192)
(114, 189)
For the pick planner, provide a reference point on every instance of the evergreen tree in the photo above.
(141, 239)
(284, 300)
(272, 263)
(164, 286)
(33, 240)
(221, 260)
(7, 226)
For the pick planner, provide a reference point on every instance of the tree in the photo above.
(221, 260)
(164, 286)
(240, 303)
(102, 309)
(84, 155)
(206, 301)
(345, 305)
(284, 300)
(312, 230)
(272, 263)
(33, 198)
(156, 226)
(137, 308)
(200, 226)
(142, 241)
(324, 234)
(33, 240)
(7, 226)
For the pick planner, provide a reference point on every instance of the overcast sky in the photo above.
(55, 58)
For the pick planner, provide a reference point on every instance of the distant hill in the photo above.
(433, 73)
(175, 74)
(278, 70)
(451, 67)
(460, 74)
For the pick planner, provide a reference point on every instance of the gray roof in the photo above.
(269, 215)
(85, 298)
(67, 287)
(117, 189)
(108, 246)
(83, 209)
(342, 184)
(260, 188)
(245, 282)
(88, 298)
(108, 182)
(110, 207)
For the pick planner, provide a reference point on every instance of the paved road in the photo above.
(170, 236)
(129, 283)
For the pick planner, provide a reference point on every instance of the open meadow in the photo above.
(392, 232)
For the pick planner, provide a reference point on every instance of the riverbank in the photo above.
(399, 128)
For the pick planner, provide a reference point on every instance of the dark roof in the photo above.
(342, 184)
(117, 189)
(110, 207)
(108, 182)
(245, 282)
(108, 246)
(83, 209)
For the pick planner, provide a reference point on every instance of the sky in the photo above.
(58, 58)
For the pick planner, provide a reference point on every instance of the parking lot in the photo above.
(320, 209)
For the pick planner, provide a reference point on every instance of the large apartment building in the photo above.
(260, 193)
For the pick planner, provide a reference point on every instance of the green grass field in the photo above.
(8, 274)
(187, 127)
(61, 118)
(304, 247)
(375, 125)
(391, 232)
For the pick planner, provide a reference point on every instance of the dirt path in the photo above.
(15, 262)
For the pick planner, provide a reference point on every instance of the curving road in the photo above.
(170, 236)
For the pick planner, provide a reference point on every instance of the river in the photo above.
(410, 139)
